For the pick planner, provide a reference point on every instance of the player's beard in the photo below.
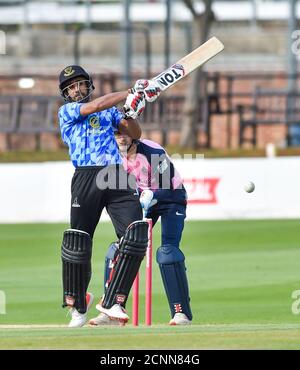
(77, 98)
(80, 97)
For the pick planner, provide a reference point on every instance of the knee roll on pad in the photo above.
(132, 249)
(169, 254)
(173, 273)
(76, 252)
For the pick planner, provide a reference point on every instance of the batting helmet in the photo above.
(68, 74)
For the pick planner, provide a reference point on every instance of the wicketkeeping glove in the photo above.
(147, 200)
(134, 105)
(149, 88)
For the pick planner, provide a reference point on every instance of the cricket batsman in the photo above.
(162, 195)
(87, 127)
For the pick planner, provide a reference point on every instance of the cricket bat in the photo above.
(189, 63)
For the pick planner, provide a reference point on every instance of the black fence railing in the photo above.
(270, 107)
(28, 115)
(251, 95)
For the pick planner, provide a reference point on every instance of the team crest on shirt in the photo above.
(94, 122)
(68, 71)
(94, 125)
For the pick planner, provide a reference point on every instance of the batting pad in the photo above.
(76, 252)
(173, 273)
(132, 250)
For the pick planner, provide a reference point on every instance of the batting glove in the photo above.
(134, 105)
(149, 88)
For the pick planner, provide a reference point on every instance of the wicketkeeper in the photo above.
(162, 195)
(87, 127)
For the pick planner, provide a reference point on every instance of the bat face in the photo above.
(189, 63)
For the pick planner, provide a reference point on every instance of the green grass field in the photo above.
(241, 274)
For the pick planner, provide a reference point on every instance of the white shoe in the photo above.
(115, 312)
(103, 319)
(79, 319)
(180, 319)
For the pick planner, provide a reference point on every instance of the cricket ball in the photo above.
(249, 187)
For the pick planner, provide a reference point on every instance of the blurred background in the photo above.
(246, 97)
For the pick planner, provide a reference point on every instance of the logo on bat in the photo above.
(170, 76)
(180, 67)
